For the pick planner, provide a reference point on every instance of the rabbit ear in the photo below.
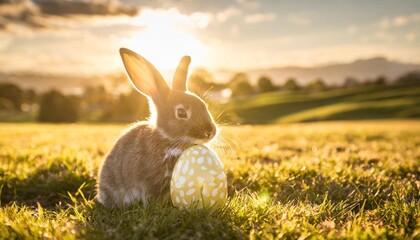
(180, 77)
(144, 76)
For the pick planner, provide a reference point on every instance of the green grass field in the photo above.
(340, 180)
(386, 102)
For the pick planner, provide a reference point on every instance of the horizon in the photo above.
(84, 37)
(220, 70)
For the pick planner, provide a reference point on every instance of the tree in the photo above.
(380, 81)
(317, 85)
(240, 85)
(30, 96)
(200, 82)
(411, 78)
(351, 82)
(291, 84)
(131, 107)
(13, 94)
(265, 85)
(56, 107)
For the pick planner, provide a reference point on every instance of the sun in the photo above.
(164, 37)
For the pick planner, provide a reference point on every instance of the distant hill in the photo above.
(43, 82)
(368, 102)
(334, 74)
(64, 83)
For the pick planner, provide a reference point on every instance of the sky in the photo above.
(83, 37)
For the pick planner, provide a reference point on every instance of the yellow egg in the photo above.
(198, 179)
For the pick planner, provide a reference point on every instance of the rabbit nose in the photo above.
(204, 132)
(209, 132)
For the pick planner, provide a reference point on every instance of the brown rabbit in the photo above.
(140, 165)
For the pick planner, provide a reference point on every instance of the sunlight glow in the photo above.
(262, 199)
(167, 35)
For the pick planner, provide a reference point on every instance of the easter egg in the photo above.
(198, 179)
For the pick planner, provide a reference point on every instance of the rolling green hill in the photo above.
(338, 104)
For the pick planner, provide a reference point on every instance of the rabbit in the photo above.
(139, 167)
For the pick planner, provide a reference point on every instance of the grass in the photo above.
(334, 180)
(398, 102)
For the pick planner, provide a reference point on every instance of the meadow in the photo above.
(333, 180)
(368, 102)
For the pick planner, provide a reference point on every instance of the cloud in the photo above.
(98, 7)
(169, 18)
(352, 30)
(227, 13)
(299, 19)
(73, 55)
(5, 42)
(201, 19)
(384, 23)
(21, 13)
(399, 21)
(384, 36)
(25, 15)
(248, 3)
(410, 37)
(260, 17)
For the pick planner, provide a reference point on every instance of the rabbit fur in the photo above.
(139, 166)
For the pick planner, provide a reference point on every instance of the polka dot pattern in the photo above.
(198, 178)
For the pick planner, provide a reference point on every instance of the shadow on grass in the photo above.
(48, 186)
(59, 189)
(156, 221)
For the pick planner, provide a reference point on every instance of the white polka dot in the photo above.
(181, 193)
(195, 152)
(190, 184)
(212, 202)
(177, 199)
(212, 184)
(203, 151)
(193, 159)
(222, 194)
(181, 180)
(191, 171)
(178, 185)
(185, 169)
(212, 172)
(221, 176)
(203, 167)
(200, 160)
(221, 185)
(184, 201)
(200, 179)
(190, 191)
(214, 192)
(209, 161)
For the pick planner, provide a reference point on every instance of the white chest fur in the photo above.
(171, 153)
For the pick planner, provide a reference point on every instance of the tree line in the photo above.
(100, 104)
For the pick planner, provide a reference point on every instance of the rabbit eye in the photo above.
(181, 113)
